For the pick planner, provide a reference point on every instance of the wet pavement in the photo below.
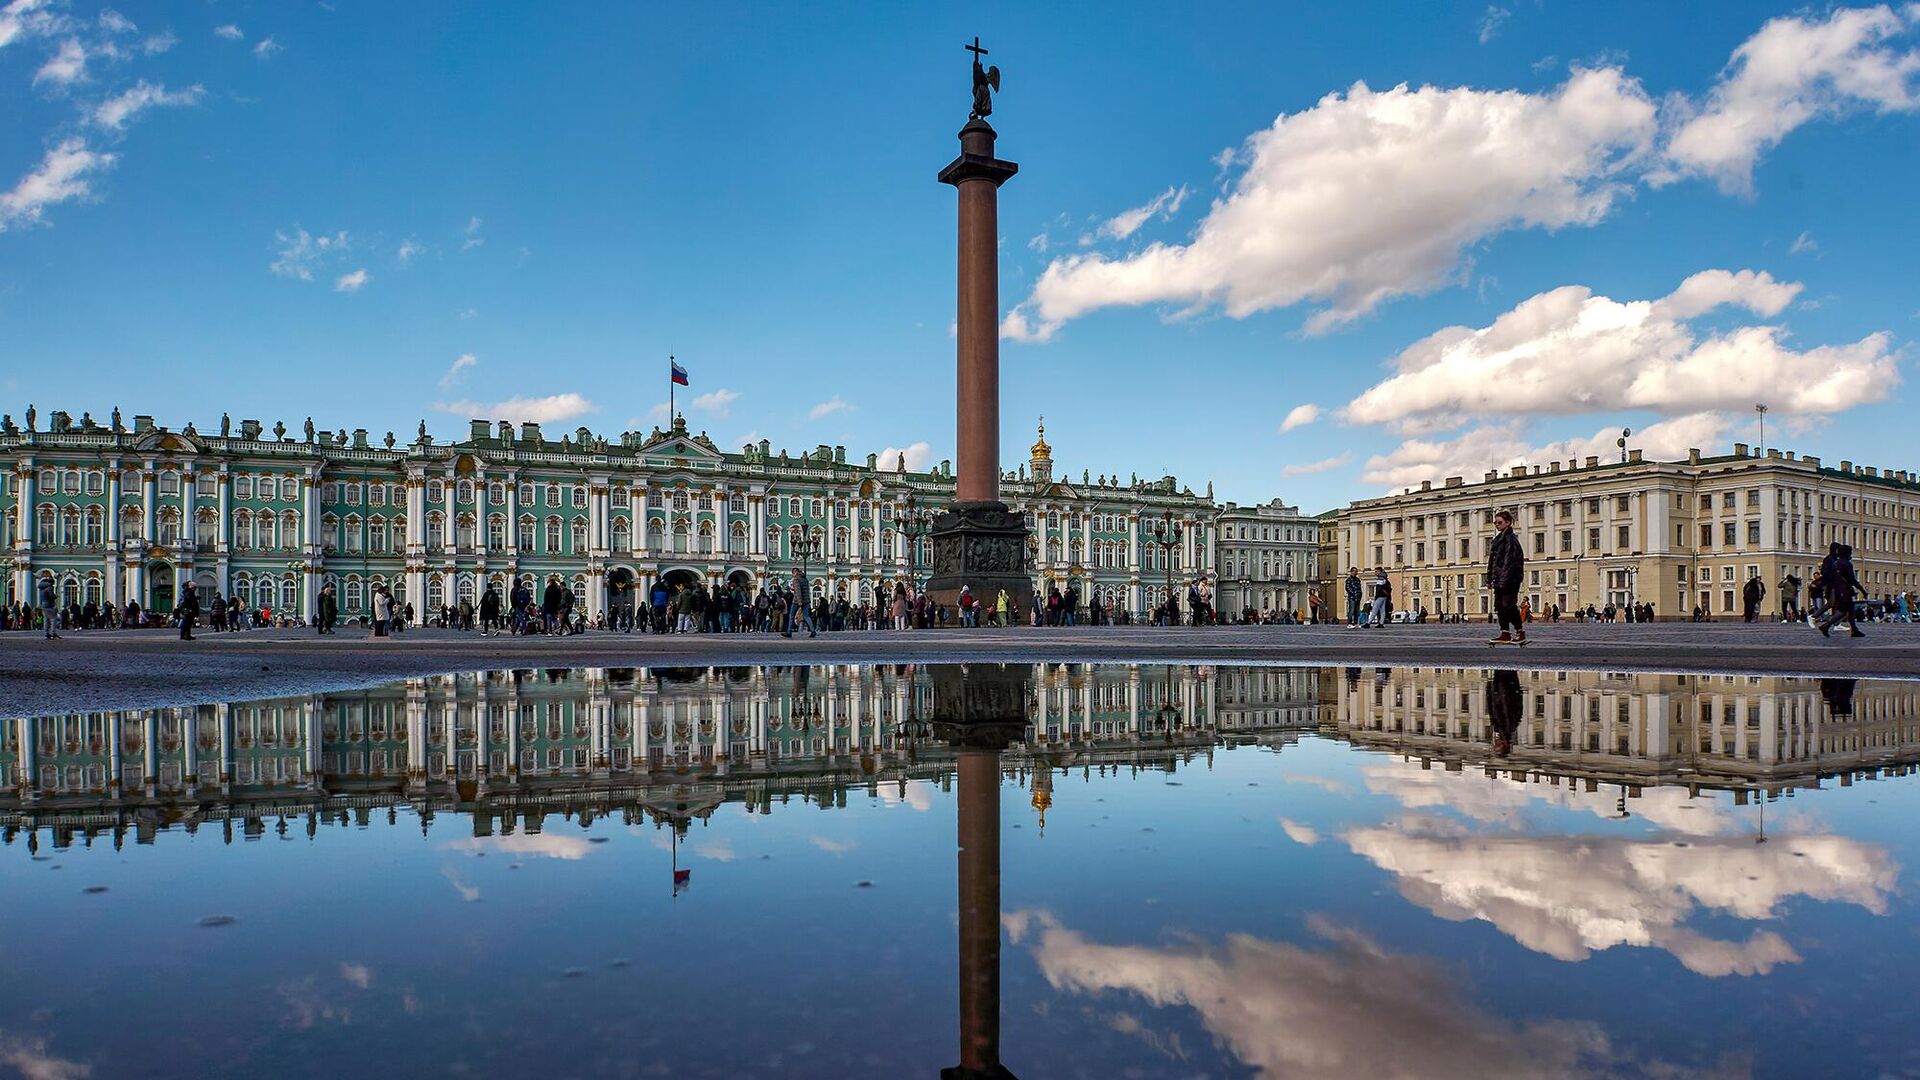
(890, 870)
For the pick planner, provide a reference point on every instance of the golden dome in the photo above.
(1041, 451)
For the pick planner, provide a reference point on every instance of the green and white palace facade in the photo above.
(113, 512)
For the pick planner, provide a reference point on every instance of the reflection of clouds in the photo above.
(1344, 1010)
(1502, 801)
(469, 893)
(357, 975)
(310, 1002)
(1299, 833)
(719, 849)
(1324, 783)
(919, 795)
(837, 847)
(28, 1054)
(1568, 896)
(532, 845)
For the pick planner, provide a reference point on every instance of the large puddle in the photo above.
(1189, 871)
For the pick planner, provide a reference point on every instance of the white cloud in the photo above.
(473, 239)
(1504, 445)
(717, 402)
(29, 18)
(158, 43)
(229, 31)
(266, 47)
(528, 845)
(828, 407)
(408, 249)
(301, 251)
(358, 975)
(1312, 467)
(540, 410)
(1299, 833)
(1127, 222)
(1300, 416)
(1491, 21)
(64, 68)
(1570, 351)
(1571, 896)
(28, 1053)
(469, 313)
(454, 370)
(350, 281)
(1794, 70)
(1371, 194)
(751, 438)
(1349, 1008)
(116, 111)
(1803, 243)
(113, 22)
(918, 456)
(63, 174)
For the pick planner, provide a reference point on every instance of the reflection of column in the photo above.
(979, 710)
(979, 893)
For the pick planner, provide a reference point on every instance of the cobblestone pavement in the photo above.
(122, 669)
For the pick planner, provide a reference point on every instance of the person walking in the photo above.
(1382, 599)
(550, 605)
(1789, 596)
(489, 611)
(49, 615)
(188, 608)
(1506, 567)
(329, 610)
(1750, 597)
(1836, 573)
(799, 611)
(382, 610)
(969, 607)
(1353, 598)
(1000, 610)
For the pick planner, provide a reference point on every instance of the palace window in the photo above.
(1626, 538)
(169, 483)
(737, 539)
(463, 491)
(579, 497)
(737, 503)
(377, 495)
(680, 499)
(436, 491)
(526, 494)
(622, 535)
(496, 531)
(169, 526)
(96, 526)
(578, 533)
(553, 535)
(377, 534)
(436, 531)
(243, 486)
(816, 508)
(353, 493)
(524, 534)
(793, 508)
(205, 525)
(621, 499)
(207, 485)
(553, 494)
(464, 532)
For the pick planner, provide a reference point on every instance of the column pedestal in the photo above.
(982, 546)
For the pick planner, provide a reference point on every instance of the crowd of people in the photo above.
(786, 607)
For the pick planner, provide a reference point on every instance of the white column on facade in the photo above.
(480, 514)
(189, 492)
(149, 494)
(446, 519)
(1133, 544)
(641, 497)
(223, 532)
(23, 533)
(513, 514)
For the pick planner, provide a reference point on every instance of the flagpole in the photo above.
(670, 385)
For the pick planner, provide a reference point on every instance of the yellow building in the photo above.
(1676, 534)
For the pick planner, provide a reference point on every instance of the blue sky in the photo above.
(283, 209)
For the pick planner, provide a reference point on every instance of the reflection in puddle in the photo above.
(1384, 811)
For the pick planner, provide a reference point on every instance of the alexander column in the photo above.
(976, 542)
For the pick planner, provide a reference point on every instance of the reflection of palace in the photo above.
(1701, 731)
(673, 743)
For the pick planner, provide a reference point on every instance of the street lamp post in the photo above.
(807, 547)
(1167, 536)
(917, 523)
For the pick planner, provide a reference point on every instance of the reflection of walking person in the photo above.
(1503, 709)
(1506, 567)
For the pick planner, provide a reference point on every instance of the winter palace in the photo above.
(114, 511)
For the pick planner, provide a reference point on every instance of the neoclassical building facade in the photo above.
(112, 512)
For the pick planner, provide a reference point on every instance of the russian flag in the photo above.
(679, 373)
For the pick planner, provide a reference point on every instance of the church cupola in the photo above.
(1042, 460)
